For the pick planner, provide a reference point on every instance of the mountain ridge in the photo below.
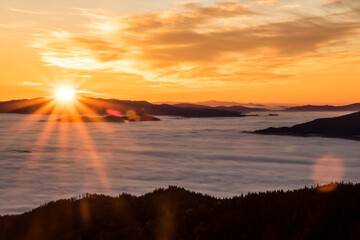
(98, 106)
(345, 126)
(312, 108)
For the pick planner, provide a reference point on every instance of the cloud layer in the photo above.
(228, 43)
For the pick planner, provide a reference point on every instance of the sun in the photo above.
(65, 94)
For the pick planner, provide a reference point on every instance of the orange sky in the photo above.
(264, 51)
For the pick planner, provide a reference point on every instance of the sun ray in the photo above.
(35, 153)
(94, 156)
(25, 125)
(47, 130)
(65, 104)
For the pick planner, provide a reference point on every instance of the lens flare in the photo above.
(327, 172)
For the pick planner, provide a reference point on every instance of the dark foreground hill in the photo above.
(87, 105)
(347, 126)
(176, 213)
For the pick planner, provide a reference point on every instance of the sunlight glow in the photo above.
(65, 94)
(328, 169)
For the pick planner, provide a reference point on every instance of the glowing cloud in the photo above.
(32, 83)
(223, 43)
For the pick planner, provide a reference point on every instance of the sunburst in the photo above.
(65, 94)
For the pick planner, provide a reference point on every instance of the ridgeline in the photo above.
(346, 127)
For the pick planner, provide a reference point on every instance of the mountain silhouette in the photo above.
(101, 107)
(236, 108)
(319, 108)
(347, 126)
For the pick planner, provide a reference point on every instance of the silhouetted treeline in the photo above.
(176, 213)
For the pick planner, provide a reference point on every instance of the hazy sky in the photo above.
(283, 51)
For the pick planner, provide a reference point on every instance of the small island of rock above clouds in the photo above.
(347, 126)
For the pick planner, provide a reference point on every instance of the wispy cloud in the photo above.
(92, 93)
(32, 83)
(266, 2)
(198, 43)
(13, 25)
(18, 10)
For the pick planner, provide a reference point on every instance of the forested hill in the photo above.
(176, 213)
